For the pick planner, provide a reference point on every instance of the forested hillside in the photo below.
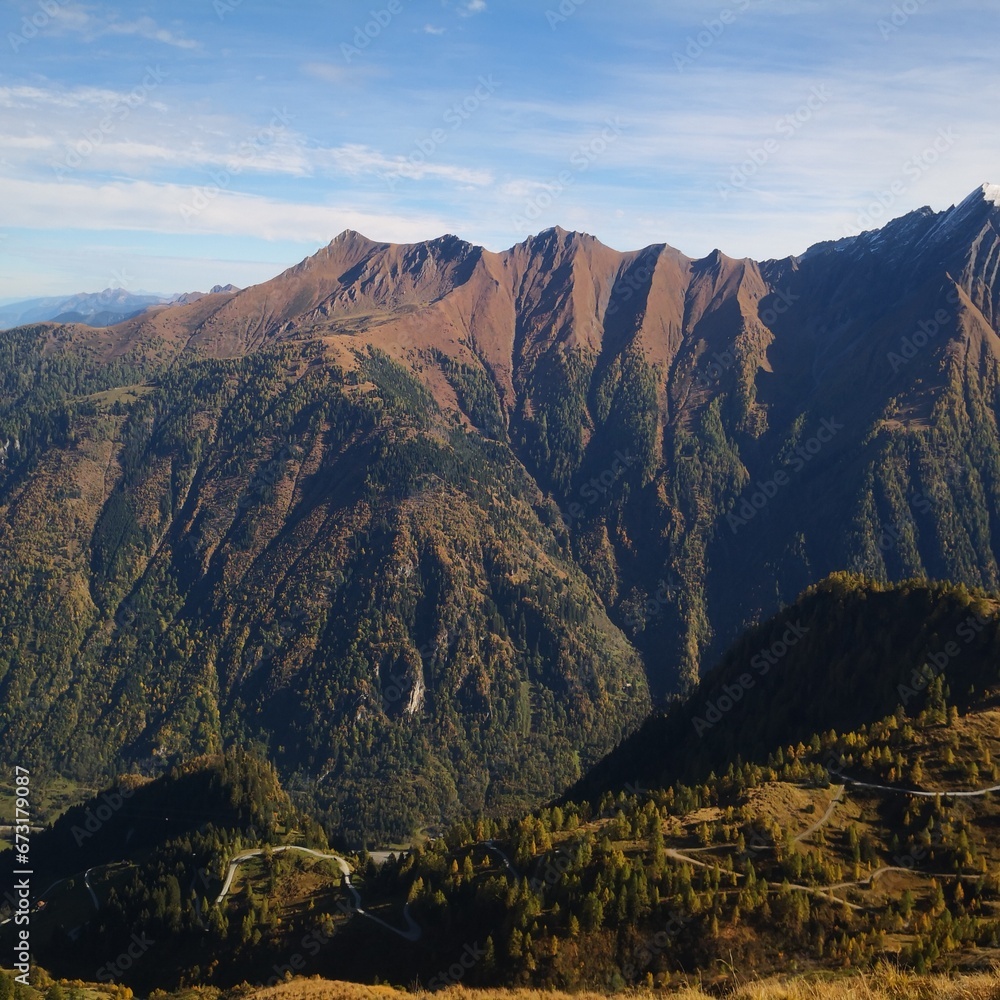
(437, 525)
(314, 557)
(837, 815)
(848, 652)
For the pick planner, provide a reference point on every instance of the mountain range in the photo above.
(113, 305)
(438, 526)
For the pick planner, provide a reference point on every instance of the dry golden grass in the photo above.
(885, 983)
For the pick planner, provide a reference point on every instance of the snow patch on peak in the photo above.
(991, 192)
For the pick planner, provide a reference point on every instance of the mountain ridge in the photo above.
(525, 492)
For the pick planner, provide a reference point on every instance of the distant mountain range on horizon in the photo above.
(97, 309)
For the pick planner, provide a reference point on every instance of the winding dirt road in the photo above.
(227, 884)
(412, 931)
(916, 792)
(825, 818)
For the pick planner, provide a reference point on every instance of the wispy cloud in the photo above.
(33, 142)
(45, 125)
(409, 109)
(145, 207)
(360, 160)
(328, 72)
(91, 23)
(146, 27)
(79, 97)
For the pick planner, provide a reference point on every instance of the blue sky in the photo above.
(172, 146)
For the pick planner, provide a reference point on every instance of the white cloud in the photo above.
(359, 160)
(9, 142)
(26, 97)
(140, 206)
(328, 72)
(146, 27)
(97, 132)
(80, 19)
(684, 132)
(121, 156)
(521, 189)
(72, 17)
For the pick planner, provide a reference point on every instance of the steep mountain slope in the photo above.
(844, 655)
(284, 550)
(432, 521)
